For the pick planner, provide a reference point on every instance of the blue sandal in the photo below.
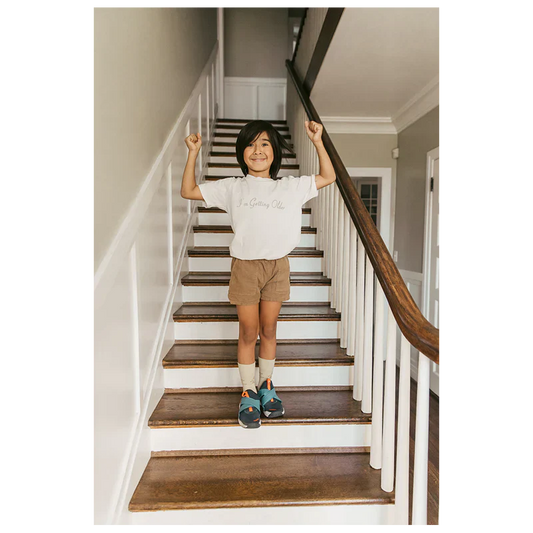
(270, 401)
(250, 410)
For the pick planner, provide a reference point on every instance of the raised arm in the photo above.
(189, 188)
(326, 175)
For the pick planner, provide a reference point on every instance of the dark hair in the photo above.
(249, 133)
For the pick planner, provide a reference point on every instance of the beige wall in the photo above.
(414, 143)
(256, 42)
(146, 63)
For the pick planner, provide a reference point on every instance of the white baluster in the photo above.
(389, 411)
(360, 320)
(335, 245)
(325, 242)
(340, 261)
(346, 276)
(420, 483)
(402, 457)
(352, 293)
(327, 269)
(366, 405)
(377, 389)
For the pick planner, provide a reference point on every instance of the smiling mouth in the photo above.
(264, 159)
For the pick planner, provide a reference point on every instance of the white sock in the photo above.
(266, 368)
(247, 373)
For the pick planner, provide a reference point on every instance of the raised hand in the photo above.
(194, 142)
(314, 130)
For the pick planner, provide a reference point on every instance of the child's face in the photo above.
(259, 155)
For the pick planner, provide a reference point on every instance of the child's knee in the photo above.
(248, 335)
(268, 332)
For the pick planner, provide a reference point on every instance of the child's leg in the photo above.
(268, 319)
(248, 331)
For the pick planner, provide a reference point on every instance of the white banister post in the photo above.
(389, 411)
(325, 236)
(366, 406)
(360, 321)
(377, 389)
(352, 293)
(339, 285)
(402, 457)
(420, 482)
(335, 244)
(345, 277)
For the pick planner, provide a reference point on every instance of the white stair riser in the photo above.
(223, 129)
(307, 240)
(222, 219)
(219, 293)
(223, 264)
(286, 329)
(269, 436)
(283, 376)
(282, 515)
(233, 138)
(230, 172)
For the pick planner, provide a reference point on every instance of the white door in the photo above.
(431, 252)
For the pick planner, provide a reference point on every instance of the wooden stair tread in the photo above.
(227, 312)
(236, 133)
(320, 405)
(289, 352)
(221, 228)
(223, 251)
(252, 479)
(305, 210)
(245, 120)
(222, 278)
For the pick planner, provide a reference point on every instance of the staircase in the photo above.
(310, 466)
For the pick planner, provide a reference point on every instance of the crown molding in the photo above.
(420, 104)
(377, 125)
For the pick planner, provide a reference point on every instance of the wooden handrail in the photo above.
(416, 329)
(300, 29)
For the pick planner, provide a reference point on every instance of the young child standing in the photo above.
(265, 213)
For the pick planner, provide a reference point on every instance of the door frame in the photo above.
(386, 215)
(432, 155)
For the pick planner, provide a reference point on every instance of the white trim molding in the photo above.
(255, 98)
(420, 104)
(376, 125)
(135, 289)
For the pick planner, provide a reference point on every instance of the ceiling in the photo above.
(383, 63)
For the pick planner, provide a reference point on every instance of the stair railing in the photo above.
(355, 255)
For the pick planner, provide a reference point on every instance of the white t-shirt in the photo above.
(265, 214)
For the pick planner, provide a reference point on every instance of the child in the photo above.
(266, 217)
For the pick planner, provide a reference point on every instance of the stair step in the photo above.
(219, 228)
(226, 312)
(258, 478)
(234, 135)
(305, 210)
(246, 120)
(238, 127)
(219, 407)
(289, 352)
(223, 251)
(202, 279)
(232, 144)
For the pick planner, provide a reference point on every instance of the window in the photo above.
(369, 192)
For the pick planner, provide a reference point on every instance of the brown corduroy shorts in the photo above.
(253, 280)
